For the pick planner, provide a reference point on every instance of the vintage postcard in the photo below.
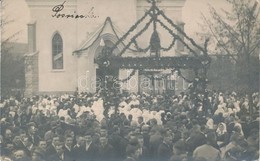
(129, 80)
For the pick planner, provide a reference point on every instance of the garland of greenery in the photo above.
(131, 29)
(136, 36)
(139, 48)
(99, 34)
(154, 19)
(176, 36)
(113, 29)
(171, 45)
(179, 30)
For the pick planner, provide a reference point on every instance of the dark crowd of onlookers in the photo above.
(130, 127)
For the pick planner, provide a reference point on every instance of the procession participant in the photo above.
(179, 151)
(134, 101)
(20, 155)
(234, 142)
(180, 121)
(165, 148)
(7, 149)
(146, 136)
(42, 147)
(37, 155)
(24, 143)
(144, 153)
(68, 145)
(207, 151)
(133, 152)
(92, 146)
(222, 135)
(32, 133)
(155, 141)
(8, 136)
(106, 151)
(59, 155)
(51, 149)
(79, 150)
(140, 122)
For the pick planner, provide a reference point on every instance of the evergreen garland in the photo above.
(136, 36)
(131, 29)
(171, 45)
(176, 36)
(140, 49)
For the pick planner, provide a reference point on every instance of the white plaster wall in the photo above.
(49, 79)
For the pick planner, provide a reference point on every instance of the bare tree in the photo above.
(237, 34)
(7, 59)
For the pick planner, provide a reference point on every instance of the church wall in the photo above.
(87, 73)
(46, 26)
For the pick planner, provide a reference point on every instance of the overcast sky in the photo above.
(18, 10)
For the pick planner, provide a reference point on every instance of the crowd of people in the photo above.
(129, 127)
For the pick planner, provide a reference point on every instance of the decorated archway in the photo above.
(198, 60)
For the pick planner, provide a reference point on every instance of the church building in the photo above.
(66, 37)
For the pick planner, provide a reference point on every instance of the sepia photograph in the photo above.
(130, 80)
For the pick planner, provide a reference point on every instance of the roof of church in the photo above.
(96, 35)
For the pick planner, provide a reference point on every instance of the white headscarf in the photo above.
(241, 130)
(218, 131)
(210, 124)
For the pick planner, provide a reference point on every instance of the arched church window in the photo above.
(57, 52)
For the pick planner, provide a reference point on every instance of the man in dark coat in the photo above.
(154, 142)
(59, 155)
(118, 142)
(133, 152)
(42, 147)
(79, 150)
(144, 155)
(68, 146)
(165, 148)
(146, 136)
(196, 139)
(33, 137)
(140, 122)
(106, 151)
(51, 148)
(8, 135)
(24, 144)
(92, 146)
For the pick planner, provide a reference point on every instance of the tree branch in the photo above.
(218, 41)
(229, 28)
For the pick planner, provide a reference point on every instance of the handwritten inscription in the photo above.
(58, 13)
